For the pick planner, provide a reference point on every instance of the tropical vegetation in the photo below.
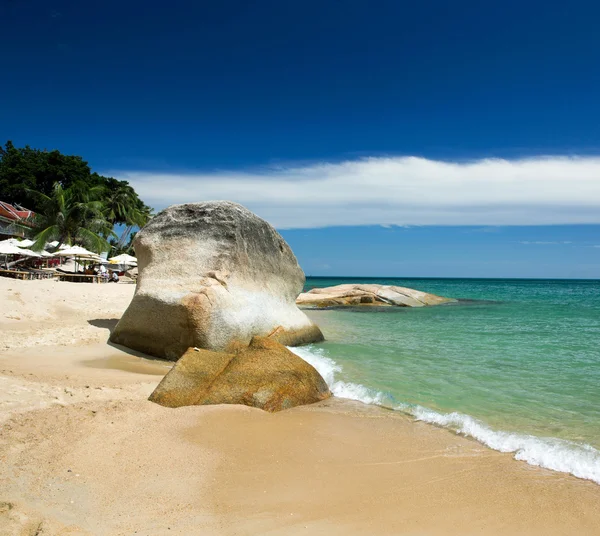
(73, 205)
(72, 215)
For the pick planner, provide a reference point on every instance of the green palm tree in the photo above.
(119, 203)
(122, 205)
(73, 216)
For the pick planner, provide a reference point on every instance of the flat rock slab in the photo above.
(265, 375)
(370, 294)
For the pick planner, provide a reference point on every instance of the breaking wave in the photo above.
(580, 460)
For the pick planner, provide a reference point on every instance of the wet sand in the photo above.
(83, 452)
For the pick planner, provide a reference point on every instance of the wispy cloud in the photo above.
(396, 191)
(544, 243)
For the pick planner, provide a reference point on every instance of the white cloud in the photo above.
(544, 243)
(396, 191)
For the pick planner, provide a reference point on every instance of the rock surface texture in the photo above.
(354, 295)
(265, 375)
(212, 275)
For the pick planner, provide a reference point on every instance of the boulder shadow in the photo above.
(110, 324)
(104, 323)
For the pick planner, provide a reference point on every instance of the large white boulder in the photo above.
(212, 275)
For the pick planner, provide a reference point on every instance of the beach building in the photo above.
(15, 220)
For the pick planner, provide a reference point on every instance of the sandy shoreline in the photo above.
(83, 452)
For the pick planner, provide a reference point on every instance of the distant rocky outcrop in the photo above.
(355, 295)
(265, 375)
(212, 275)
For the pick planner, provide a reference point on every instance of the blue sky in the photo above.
(381, 137)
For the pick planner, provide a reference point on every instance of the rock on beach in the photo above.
(212, 275)
(370, 294)
(265, 375)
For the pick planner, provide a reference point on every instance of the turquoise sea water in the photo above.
(515, 364)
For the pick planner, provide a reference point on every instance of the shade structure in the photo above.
(28, 253)
(54, 243)
(8, 248)
(18, 243)
(77, 251)
(124, 259)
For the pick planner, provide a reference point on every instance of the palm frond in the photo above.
(92, 241)
(46, 235)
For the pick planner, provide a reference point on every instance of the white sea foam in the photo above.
(328, 368)
(580, 460)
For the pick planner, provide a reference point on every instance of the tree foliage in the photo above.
(122, 205)
(26, 169)
(120, 246)
(23, 170)
(41, 180)
(71, 216)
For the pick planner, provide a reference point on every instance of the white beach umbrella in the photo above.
(77, 251)
(28, 253)
(7, 248)
(124, 259)
(25, 243)
(12, 241)
(54, 243)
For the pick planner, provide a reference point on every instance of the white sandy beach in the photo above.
(83, 452)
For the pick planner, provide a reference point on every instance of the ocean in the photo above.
(515, 364)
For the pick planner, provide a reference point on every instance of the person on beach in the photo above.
(102, 271)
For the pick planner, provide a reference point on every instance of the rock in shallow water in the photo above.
(212, 275)
(352, 294)
(265, 375)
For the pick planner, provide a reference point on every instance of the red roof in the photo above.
(13, 213)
